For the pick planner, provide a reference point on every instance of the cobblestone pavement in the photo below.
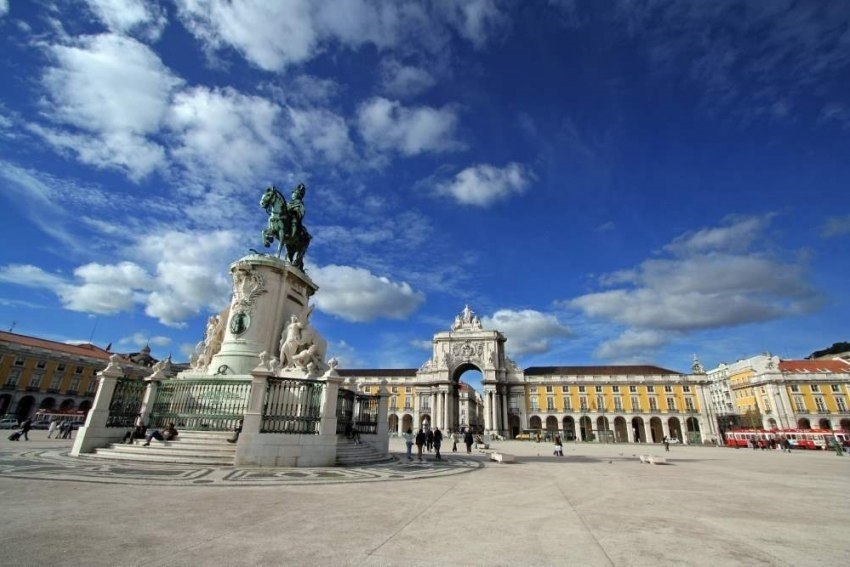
(55, 464)
(597, 505)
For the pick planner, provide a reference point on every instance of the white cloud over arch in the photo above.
(528, 331)
(355, 294)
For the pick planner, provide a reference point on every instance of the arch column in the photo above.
(630, 431)
(488, 410)
(665, 427)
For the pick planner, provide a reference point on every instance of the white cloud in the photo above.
(700, 288)
(130, 16)
(404, 80)
(387, 125)
(142, 339)
(836, 226)
(738, 233)
(187, 274)
(319, 134)
(99, 289)
(271, 35)
(475, 20)
(355, 294)
(4, 7)
(529, 331)
(30, 276)
(482, 185)
(222, 134)
(114, 88)
(190, 272)
(275, 35)
(633, 345)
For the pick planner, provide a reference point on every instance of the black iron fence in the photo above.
(292, 406)
(126, 403)
(200, 405)
(344, 410)
(366, 414)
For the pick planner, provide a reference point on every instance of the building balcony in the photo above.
(33, 389)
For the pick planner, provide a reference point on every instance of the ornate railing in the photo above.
(292, 406)
(366, 415)
(205, 405)
(126, 403)
(344, 410)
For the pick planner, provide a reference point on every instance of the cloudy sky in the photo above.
(605, 182)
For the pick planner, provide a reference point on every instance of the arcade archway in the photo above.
(620, 434)
(569, 428)
(638, 430)
(465, 400)
(656, 430)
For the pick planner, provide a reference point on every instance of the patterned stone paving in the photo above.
(58, 465)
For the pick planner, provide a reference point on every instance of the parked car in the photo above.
(8, 423)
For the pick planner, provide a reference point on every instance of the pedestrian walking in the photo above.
(468, 439)
(68, 427)
(408, 440)
(438, 441)
(454, 441)
(420, 441)
(429, 440)
(51, 429)
(666, 444)
(559, 448)
(25, 428)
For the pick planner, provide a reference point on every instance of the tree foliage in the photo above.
(836, 348)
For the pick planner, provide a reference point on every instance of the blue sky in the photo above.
(605, 182)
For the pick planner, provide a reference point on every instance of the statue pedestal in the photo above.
(266, 293)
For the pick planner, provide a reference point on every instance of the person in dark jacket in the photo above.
(438, 440)
(25, 427)
(429, 440)
(468, 439)
(420, 440)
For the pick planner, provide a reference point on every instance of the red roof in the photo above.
(819, 365)
(88, 350)
(627, 370)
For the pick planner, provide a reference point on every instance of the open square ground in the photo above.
(597, 505)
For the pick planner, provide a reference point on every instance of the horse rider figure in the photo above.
(285, 223)
(295, 208)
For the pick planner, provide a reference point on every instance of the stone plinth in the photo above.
(266, 293)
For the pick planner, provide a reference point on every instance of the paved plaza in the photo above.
(597, 505)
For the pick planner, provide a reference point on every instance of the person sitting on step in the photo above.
(236, 431)
(169, 434)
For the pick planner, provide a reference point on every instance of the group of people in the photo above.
(432, 439)
(62, 430)
(169, 433)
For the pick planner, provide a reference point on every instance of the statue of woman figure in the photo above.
(290, 341)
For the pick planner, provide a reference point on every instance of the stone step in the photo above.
(156, 458)
(182, 448)
(349, 454)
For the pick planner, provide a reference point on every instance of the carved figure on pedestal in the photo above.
(301, 346)
(285, 223)
(247, 285)
(466, 319)
(291, 341)
(213, 337)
